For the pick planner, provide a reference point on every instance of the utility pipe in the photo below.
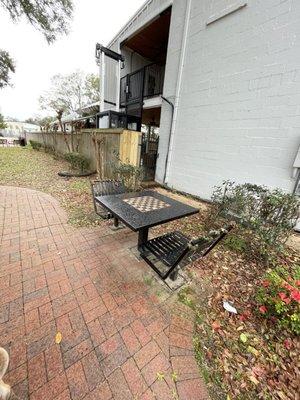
(169, 137)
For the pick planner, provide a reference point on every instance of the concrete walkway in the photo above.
(121, 338)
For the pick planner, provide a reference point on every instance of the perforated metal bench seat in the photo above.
(164, 253)
(166, 248)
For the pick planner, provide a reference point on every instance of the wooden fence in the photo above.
(103, 147)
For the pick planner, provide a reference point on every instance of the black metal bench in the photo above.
(3, 141)
(104, 188)
(166, 252)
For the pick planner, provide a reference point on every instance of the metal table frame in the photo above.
(141, 221)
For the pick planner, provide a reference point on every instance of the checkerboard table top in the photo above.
(146, 203)
(145, 209)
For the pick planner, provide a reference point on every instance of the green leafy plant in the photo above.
(279, 298)
(130, 175)
(235, 243)
(186, 296)
(3, 124)
(49, 149)
(78, 161)
(35, 145)
(264, 216)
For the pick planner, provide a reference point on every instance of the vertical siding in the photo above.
(133, 61)
(239, 113)
(110, 82)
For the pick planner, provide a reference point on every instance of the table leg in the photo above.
(143, 236)
(174, 274)
(116, 222)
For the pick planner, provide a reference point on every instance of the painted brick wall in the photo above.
(239, 105)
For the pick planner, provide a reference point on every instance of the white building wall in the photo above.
(17, 128)
(238, 115)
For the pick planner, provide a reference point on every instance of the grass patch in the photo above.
(186, 296)
(38, 170)
(212, 378)
(148, 280)
(81, 186)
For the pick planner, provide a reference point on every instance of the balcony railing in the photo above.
(146, 82)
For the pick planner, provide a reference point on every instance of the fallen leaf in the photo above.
(58, 338)
(174, 376)
(287, 344)
(258, 371)
(160, 376)
(282, 395)
(243, 337)
(216, 325)
(209, 354)
(253, 350)
(253, 380)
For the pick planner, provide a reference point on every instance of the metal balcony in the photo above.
(143, 83)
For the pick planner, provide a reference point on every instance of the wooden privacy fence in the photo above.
(104, 147)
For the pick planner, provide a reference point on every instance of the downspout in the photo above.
(178, 89)
(169, 137)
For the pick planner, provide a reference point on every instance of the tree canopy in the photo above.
(50, 17)
(2, 122)
(6, 67)
(42, 122)
(70, 93)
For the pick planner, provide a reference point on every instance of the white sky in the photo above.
(36, 61)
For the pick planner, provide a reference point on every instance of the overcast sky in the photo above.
(36, 61)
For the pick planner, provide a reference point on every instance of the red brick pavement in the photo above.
(119, 339)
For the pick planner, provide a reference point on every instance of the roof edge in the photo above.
(133, 18)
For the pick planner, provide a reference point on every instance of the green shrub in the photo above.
(35, 145)
(130, 175)
(78, 161)
(49, 149)
(236, 243)
(279, 298)
(269, 214)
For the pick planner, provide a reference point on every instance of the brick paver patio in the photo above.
(121, 337)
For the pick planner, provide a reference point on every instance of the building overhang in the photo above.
(126, 31)
(151, 42)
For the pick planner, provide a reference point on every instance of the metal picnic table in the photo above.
(143, 210)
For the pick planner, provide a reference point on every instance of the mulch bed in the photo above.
(242, 356)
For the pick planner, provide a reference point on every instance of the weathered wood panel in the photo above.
(130, 147)
(106, 150)
(104, 147)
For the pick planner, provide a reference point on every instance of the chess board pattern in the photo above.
(146, 203)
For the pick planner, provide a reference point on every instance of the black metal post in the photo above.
(143, 236)
(173, 276)
(116, 222)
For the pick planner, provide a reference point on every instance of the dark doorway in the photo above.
(149, 152)
(150, 140)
